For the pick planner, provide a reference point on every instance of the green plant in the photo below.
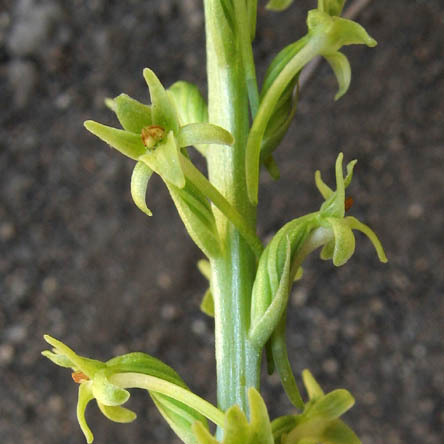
(248, 284)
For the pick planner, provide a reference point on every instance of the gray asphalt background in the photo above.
(79, 261)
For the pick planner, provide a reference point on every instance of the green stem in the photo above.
(237, 362)
(157, 385)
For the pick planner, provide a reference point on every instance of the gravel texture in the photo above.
(79, 261)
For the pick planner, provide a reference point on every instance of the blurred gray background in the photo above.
(80, 262)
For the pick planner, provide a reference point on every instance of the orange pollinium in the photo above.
(348, 203)
(151, 135)
(79, 377)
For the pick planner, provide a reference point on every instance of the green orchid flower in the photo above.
(91, 375)
(281, 261)
(106, 382)
(157, 136)
(154, 136)
(331, 215)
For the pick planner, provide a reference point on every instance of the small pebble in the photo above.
(7, 231)
(169, 312)
(199, 327)
(299, 297)
(49, 285)
(415, 211)
(6, 354)
(330, 366)
(164, 280)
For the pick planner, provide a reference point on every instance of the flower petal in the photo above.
(203, 133)
(129, 144)
(85, 396)
(341, 67)
(354, 224)
(117, 413)
(132, 115)
(107, 393)
(163, 111)
(139, 183)
(344, 241)
(314, 390)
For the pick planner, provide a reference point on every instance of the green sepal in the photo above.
(355, 224)
(334, 205)
(139, 184)
(344, 241)
(330, 406)
(237, 429)
(331, 7)
(107, 393)
(314, 390)
(117, 413)
(85, 396)
(129, 144)
(190, 104)
(79, 363)
(203, 133)
(132, 115)
(60, 360)
(278, 5)
(336, 31)
(163, 111)
(341, 67)
(198, 218)
(164, 160)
